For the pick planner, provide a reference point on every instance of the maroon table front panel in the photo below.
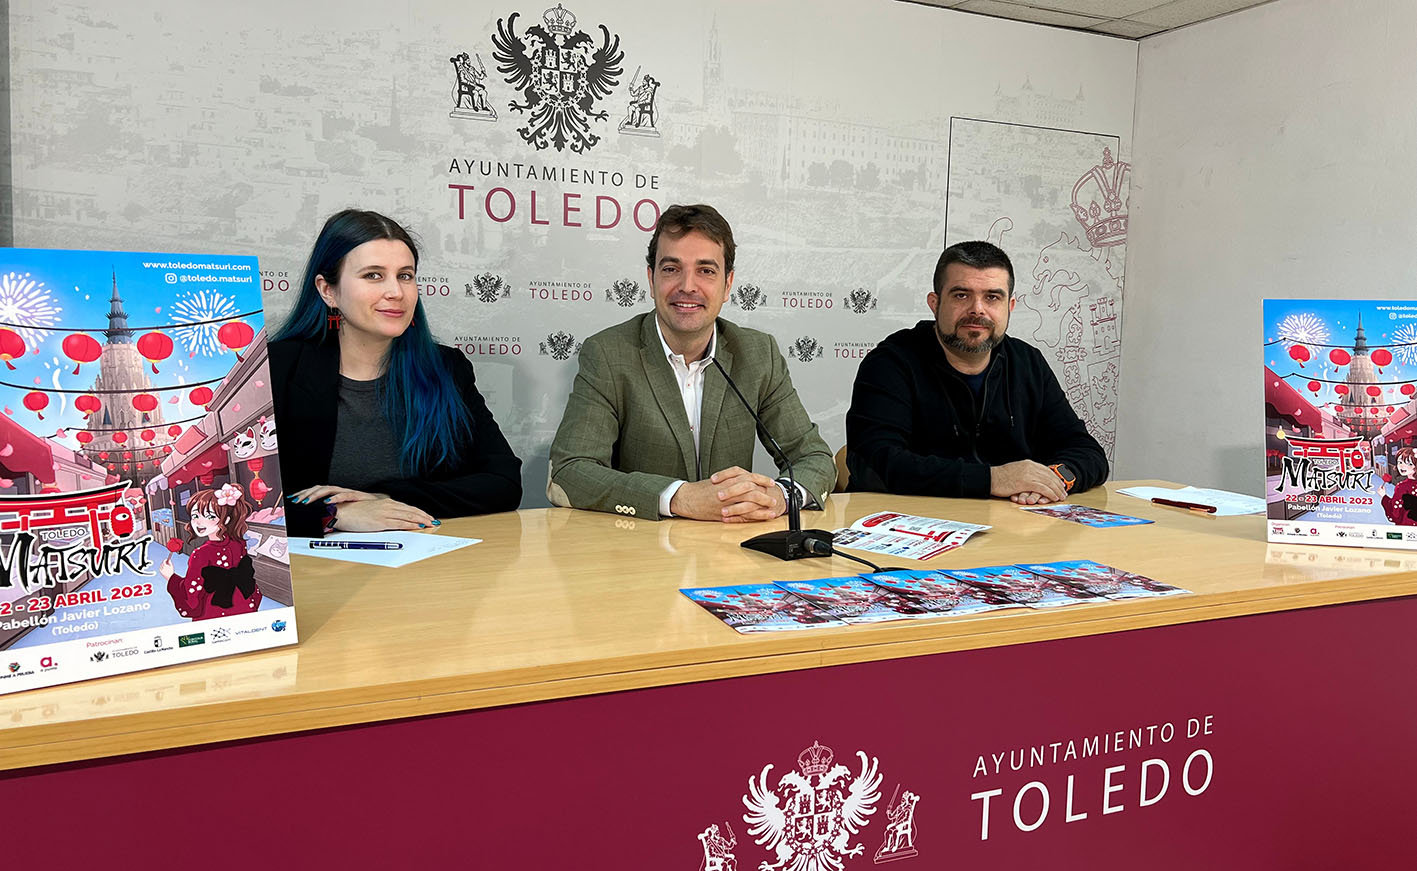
(1282, 741)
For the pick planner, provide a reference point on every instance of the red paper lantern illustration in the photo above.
(167, 449)
(200, 396)
(81, 349)
(1341, 389)
(1389, 409)
(120, 437)
(88, 404)
(148, 435)
(259, 490)
(256, 464)
(235, 335)
(1381, 357)
(1315, 386)
(1374, 390)
(36, 401)
(84, 437)
(103, 455)
(144, 402)
(154, 347)
(149, 452)
(127, 455)
(1300, 354)
(174, 430)
(1338, 409)
(207, 478)
(1339, 357)
(12, 347)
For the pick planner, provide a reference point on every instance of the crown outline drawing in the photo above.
(560, 20)
(815, 760)
(1106, 224)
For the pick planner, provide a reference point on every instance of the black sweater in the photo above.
(915, 427)
(305, 388)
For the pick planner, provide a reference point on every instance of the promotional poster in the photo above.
(140, 499)
(1339, 422)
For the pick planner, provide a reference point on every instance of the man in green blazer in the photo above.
(652, 428)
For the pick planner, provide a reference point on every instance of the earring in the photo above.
(332, 318)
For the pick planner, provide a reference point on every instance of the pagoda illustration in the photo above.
(1357, 413)
(118, 426)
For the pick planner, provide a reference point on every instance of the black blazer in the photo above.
(305, 388)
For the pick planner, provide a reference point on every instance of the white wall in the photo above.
(163, 125)
(1274, 157)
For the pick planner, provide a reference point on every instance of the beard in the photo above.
(955, 342)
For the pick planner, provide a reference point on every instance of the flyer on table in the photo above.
(140, 500)
(1340, 417)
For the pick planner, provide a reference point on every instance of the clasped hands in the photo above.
(358, 511)
(733, 495)
(1027, 483)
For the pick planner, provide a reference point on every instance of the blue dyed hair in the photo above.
(429, 418)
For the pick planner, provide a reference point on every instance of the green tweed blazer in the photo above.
(625, 436)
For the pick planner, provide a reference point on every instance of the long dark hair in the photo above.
(428, 416)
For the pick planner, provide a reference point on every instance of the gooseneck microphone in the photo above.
(795, 542)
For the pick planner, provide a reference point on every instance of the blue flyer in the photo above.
(760, 608)
(1102, 580)
(855, 599)
(1024, 587)
(1095, 517)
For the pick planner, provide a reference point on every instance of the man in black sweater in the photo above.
(953, 407)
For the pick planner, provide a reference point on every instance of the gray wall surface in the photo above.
(1273, 159)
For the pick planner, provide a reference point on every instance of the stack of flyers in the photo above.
(1103, 580)
(905, 535)
(855, 599)
(937, 594)
(1086, 516)
(760, 608)
(1020, 585)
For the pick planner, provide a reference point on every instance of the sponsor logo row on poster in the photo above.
(96, 657)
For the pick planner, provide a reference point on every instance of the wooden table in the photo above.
(558, 604)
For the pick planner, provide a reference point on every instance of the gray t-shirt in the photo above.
(365, 450)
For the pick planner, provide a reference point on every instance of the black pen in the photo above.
(358, 545)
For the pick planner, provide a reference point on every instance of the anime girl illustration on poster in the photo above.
(1340, 417)
(139, 487)
(220, 578)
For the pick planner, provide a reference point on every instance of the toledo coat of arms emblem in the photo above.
(561, 77)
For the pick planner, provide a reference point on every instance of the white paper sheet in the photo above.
(1227, 504)
(416, 546)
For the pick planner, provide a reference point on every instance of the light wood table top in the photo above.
(557, 603)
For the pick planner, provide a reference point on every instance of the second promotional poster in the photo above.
(1340, 418)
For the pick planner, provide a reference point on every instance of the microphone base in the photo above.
(790, 545)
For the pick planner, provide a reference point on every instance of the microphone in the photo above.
(795, 542)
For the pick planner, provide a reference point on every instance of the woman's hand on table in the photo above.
(358, 511)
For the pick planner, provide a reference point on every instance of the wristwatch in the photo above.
(1065, 474)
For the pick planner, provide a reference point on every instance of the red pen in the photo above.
(1194, 506)
(932, 536)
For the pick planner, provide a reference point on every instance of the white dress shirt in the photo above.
(690, 379)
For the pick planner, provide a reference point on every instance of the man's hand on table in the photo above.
(1027, 483)
(733, 495)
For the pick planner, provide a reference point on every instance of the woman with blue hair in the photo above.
(380, 426)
